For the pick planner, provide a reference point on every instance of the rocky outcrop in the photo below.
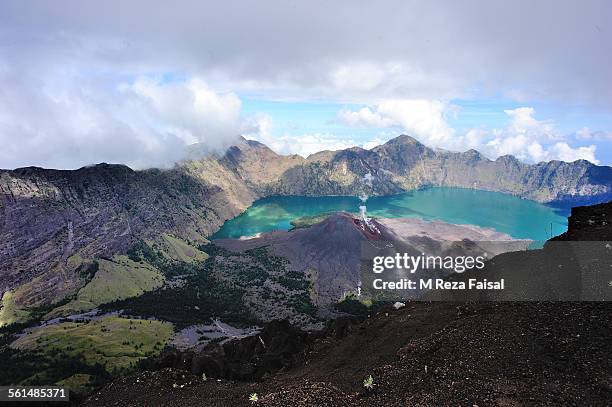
(276, 347)
(589, 223)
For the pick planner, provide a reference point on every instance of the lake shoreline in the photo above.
(516, 216)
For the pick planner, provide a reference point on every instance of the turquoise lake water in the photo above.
(517, 217)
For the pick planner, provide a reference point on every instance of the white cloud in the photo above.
(564, 152)
(524, 123)
(586, 134)
(307, 144)
(428, 50)
(364, 117)
(260, 126)
(525, 137)
(507, 143)
(357, 77)
(533, 140)
(423, 118)
(189, 109)
(368, 145)
(144, 123)
(537, 153)
(60, 63)
(474, 138)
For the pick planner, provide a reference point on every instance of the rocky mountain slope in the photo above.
(55, 224)
(403, 164)
(426, 353)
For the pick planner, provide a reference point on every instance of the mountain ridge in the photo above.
(55, 223)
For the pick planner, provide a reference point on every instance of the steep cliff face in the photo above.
(53, 224)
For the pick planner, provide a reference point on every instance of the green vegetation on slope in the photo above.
(10, 313)
(179, 250)
(80, 383)
(12, 316)
(127, 276)
(200, 297)
(360, 306)
(115, 343)
(85, 355)
(166, 250)
(260, 271)
(114, 279)
(217, 288)
(27, 368)
(305, 221)
(163, 256)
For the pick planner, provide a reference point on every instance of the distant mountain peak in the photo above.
(403, 139)
(251, 143)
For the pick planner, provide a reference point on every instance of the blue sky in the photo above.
(293, 118)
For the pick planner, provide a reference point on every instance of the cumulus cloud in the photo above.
(144, 123)
(524, 123)
(189, 110)
(307, 144)
(364, 117)
(525, 137)
(532, 140)
(368, 145)
(423, 118)
(587, 134)
(564, 152)
(260, 126)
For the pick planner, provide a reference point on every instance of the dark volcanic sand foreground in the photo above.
(432, 354)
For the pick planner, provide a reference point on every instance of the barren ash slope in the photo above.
(54, 225)
(423, 354)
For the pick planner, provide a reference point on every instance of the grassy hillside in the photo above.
(115, 279)
(113, 342)
(79, 383)
(177, 249)
(10, 313)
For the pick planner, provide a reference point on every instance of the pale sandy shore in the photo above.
(407, 227)
(413, 230)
